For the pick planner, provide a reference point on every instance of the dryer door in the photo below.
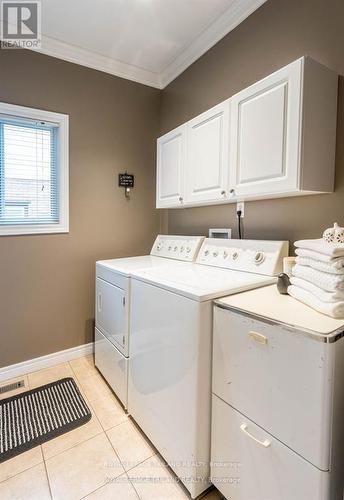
(111, 313)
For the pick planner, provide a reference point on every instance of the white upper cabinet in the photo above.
(265, 121)
(275, 126)
(275, 138)
(206, 170)
(170, 168)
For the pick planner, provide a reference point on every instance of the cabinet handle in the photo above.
(99, 302)
(266, 443)
(123, 301)
(258, 337)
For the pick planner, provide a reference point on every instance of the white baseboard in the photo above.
(32, 365)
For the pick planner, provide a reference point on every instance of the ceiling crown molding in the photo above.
(77, 55)
(232, 17)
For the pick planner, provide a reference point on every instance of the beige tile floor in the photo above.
(108, 458)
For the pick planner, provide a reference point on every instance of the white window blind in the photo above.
(33, 171)
(28, 172)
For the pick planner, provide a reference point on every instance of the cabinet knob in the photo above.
(180, 199)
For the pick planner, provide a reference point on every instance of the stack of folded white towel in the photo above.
(318, 276)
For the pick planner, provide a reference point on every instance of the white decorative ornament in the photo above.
(334, 234)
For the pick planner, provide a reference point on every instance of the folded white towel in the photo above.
(321, 246)
(326, 281)
(333, 309)
(318, 292)
(326, 267)
(337, 262)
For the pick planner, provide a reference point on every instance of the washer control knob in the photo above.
(225, 254)
(235, 255)
(258, 258)
(216, 253)
(188, 249)
(169, 248)
(182, 249)
(159, 246)
(206, 253)
(175, 249)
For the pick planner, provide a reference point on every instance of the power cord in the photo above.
(240, 225)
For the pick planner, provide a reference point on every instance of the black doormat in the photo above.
(34, 417)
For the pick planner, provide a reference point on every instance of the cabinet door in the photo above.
(265, 134)
(111, 313)
(170, 168)
(247, 463)
(253, 373)
(207, 156)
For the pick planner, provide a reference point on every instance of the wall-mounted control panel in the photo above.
(256, 256)
(183, 248)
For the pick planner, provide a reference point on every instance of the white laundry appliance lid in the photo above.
(167, 250)
(223, 267)
(129, 265)
(202, 283)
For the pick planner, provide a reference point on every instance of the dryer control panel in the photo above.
(183, 248)
(255, 256)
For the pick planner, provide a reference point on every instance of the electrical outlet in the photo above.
(241, 206)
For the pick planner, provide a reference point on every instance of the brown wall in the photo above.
(276, 34)
(47, 282)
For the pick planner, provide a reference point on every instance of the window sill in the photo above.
(32, 229)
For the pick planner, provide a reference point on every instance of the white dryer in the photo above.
(113, 303)
(169, 389)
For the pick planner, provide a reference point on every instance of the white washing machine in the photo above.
(169, 387)
(113, 303)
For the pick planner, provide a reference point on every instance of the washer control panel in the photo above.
(184, 248)
(256, 256)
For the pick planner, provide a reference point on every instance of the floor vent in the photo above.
(12, 387)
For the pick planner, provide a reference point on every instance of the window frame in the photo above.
(62, 121)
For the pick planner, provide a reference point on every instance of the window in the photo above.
(33, 171)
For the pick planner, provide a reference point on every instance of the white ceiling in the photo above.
(149, 41)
